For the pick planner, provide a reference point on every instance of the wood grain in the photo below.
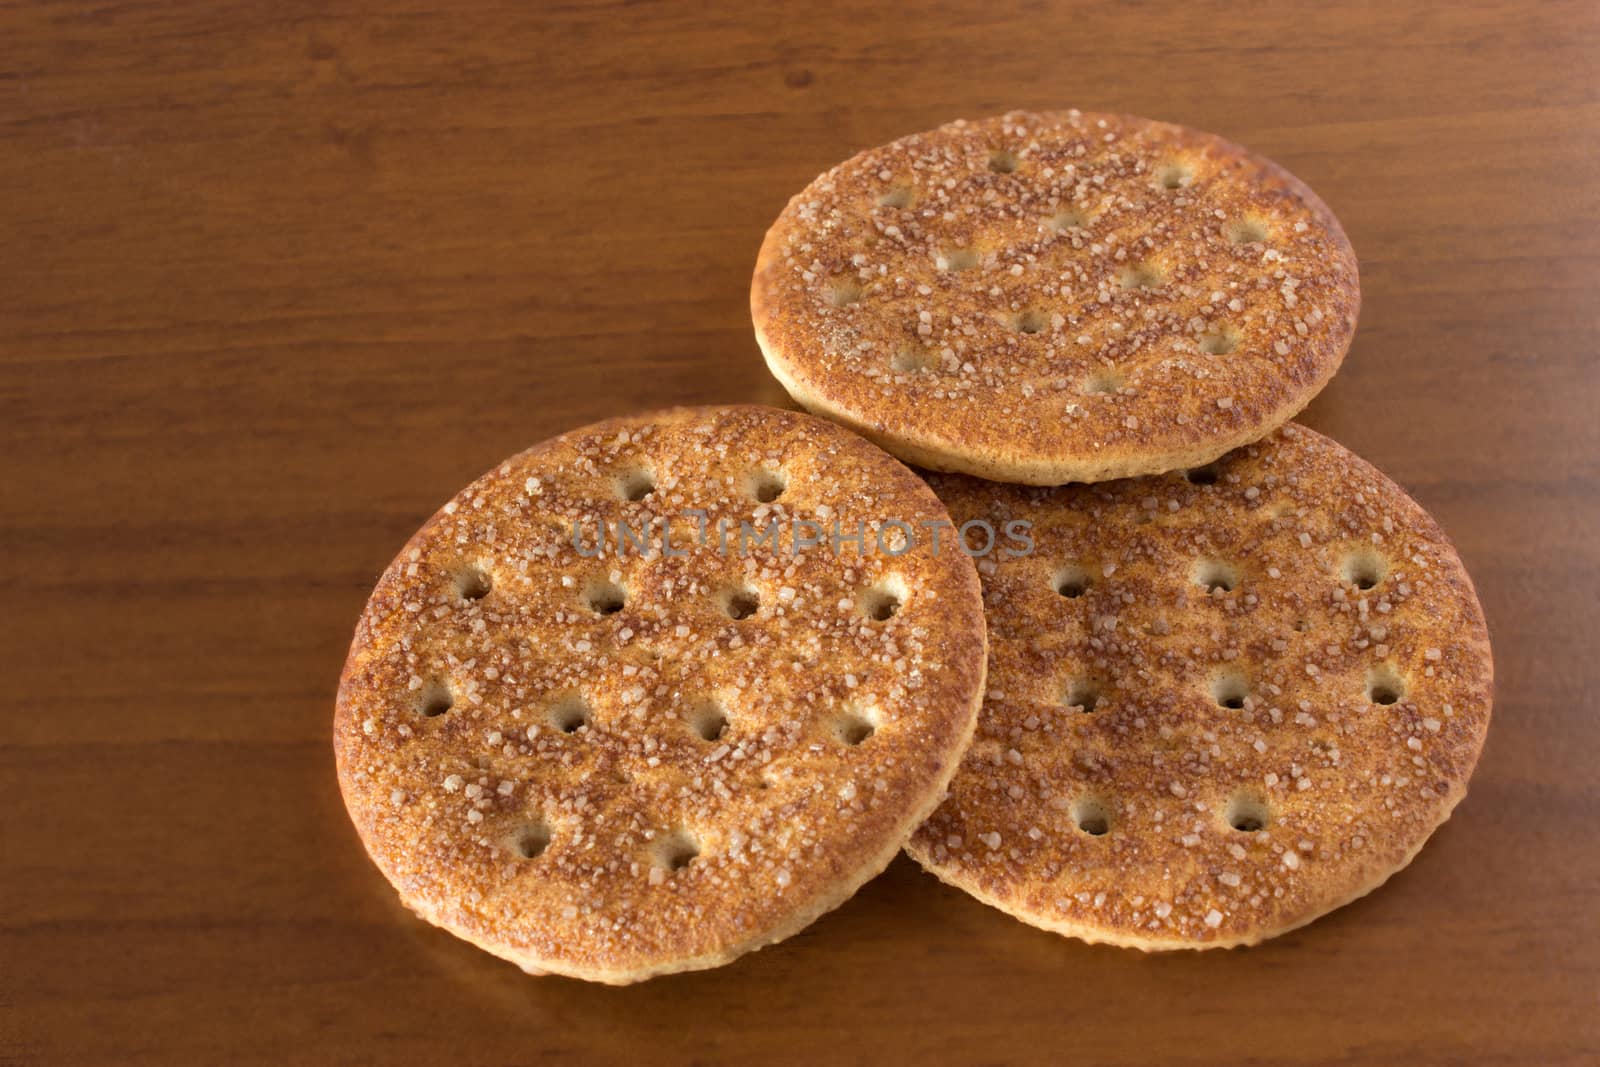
(279, 278)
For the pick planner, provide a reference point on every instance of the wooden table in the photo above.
(277, 279)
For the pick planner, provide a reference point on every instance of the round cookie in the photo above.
(621, 765)
(1220, 703)
(1045, 298)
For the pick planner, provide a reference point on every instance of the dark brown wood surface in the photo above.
(277, 278)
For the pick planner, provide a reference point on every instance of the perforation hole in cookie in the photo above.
(1103, 382)
(1215, 576)
(1229, 689)
(767, 485)
(899, 197)
(1206, 475)
(957, 259)
(1173, 174)
(1030, 321)
(1249, 230)
(883, 601)
(909, 359)
(1219, 342)
(844, 291)
(739, 601)
(1363, 568)
(472, 582)
(529, 839)
(1247, 813)
(604, 597)
(570, 713)
(854, 726)
(1142, 276)
(1002, 161)
(708, 719)
(674, 850)
(1384, 685)
(636, 484)
(1071, 581)
(1092, 816)
(1070, 219)
(434, 699)
(1082, 695)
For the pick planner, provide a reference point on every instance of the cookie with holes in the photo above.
(660, 691)
(1045, 298)
(1221, 702)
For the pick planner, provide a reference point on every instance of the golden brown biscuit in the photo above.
(1044, 298)
(1220, 704)
(654, 760)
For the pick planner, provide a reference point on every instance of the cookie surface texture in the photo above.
(1066, 296)
(1220, 703)
(661, 757)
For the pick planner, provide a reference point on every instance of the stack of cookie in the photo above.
(662, 690)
